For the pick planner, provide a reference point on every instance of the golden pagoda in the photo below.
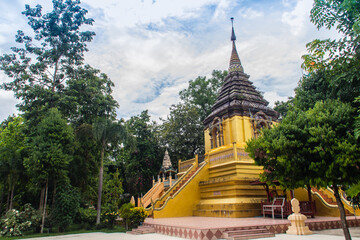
(238, 114)
(218, 184)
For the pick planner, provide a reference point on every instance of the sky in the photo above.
(151, 48)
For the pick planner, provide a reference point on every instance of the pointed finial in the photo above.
(233, 37)
(235, 63)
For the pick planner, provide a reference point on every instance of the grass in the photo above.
(72, 230)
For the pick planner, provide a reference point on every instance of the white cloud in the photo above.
(250, 13)
(272, 97)
(298, 18)
(150, 65)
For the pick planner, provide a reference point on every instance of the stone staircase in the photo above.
(142, 230)
(184, 181)
(326, 198)
(247, 234)
(329, 199)
(179, 185)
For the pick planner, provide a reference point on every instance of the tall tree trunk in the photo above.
(41, 203)
(11, 196)
(2, 198)
(101, 172)
(54, 195)
(8, 201)
(344, 224)
(44, 208)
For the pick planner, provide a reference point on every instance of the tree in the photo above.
(46, 61)
(357, 120)
(84, 168)
(141, 155)
(108, 134)
(202, 92)
(345, 16)
(51, 153)
(112, 190)
(67, 205)
(87, 97)
(315, 147)
(283, 107)
(12, 152)
(182, 131)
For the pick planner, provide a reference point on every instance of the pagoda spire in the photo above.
(166, 161)
(235, 63)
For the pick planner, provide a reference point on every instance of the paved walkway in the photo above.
(335, 234)
(215, 222)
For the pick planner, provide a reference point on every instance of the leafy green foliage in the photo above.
(109, 216)
(66, 206)
(85, 164)
(51, 149)
(182, 132)
(345, 16)
(138, 215)
(112, 190)
(354, 193)
(47, 69)
(108, 135)
(86, 217)
(132, 216)
(12, 152)
(283, 107)
(314, 147)
(141, 156)
(202, 92)
(30, 214)
(46, 61)
(357, 120)
(322, 134)
(87, 97)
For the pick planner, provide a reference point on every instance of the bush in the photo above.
(32, 215)
(86, 217)
(13, 224)
(132, 216)
(138, 215)
(109, 216)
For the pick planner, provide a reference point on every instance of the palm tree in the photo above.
(108, 133)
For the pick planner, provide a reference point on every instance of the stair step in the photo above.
(247, 234)
(252, 236)
(244, 232)
(142, 230)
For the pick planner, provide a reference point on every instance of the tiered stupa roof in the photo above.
(238, 96)
(166, 165)
(166, 161)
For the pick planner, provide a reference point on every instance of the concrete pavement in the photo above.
(333, 234)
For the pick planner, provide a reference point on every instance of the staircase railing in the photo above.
(152, 194)
(167, 193)
(173, 195)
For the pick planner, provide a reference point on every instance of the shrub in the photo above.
(87, 217)
(138, 214)
(132, 216)
(32, 215)
(13, 224)
(109, 217)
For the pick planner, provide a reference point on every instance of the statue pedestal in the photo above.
(297, 221)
